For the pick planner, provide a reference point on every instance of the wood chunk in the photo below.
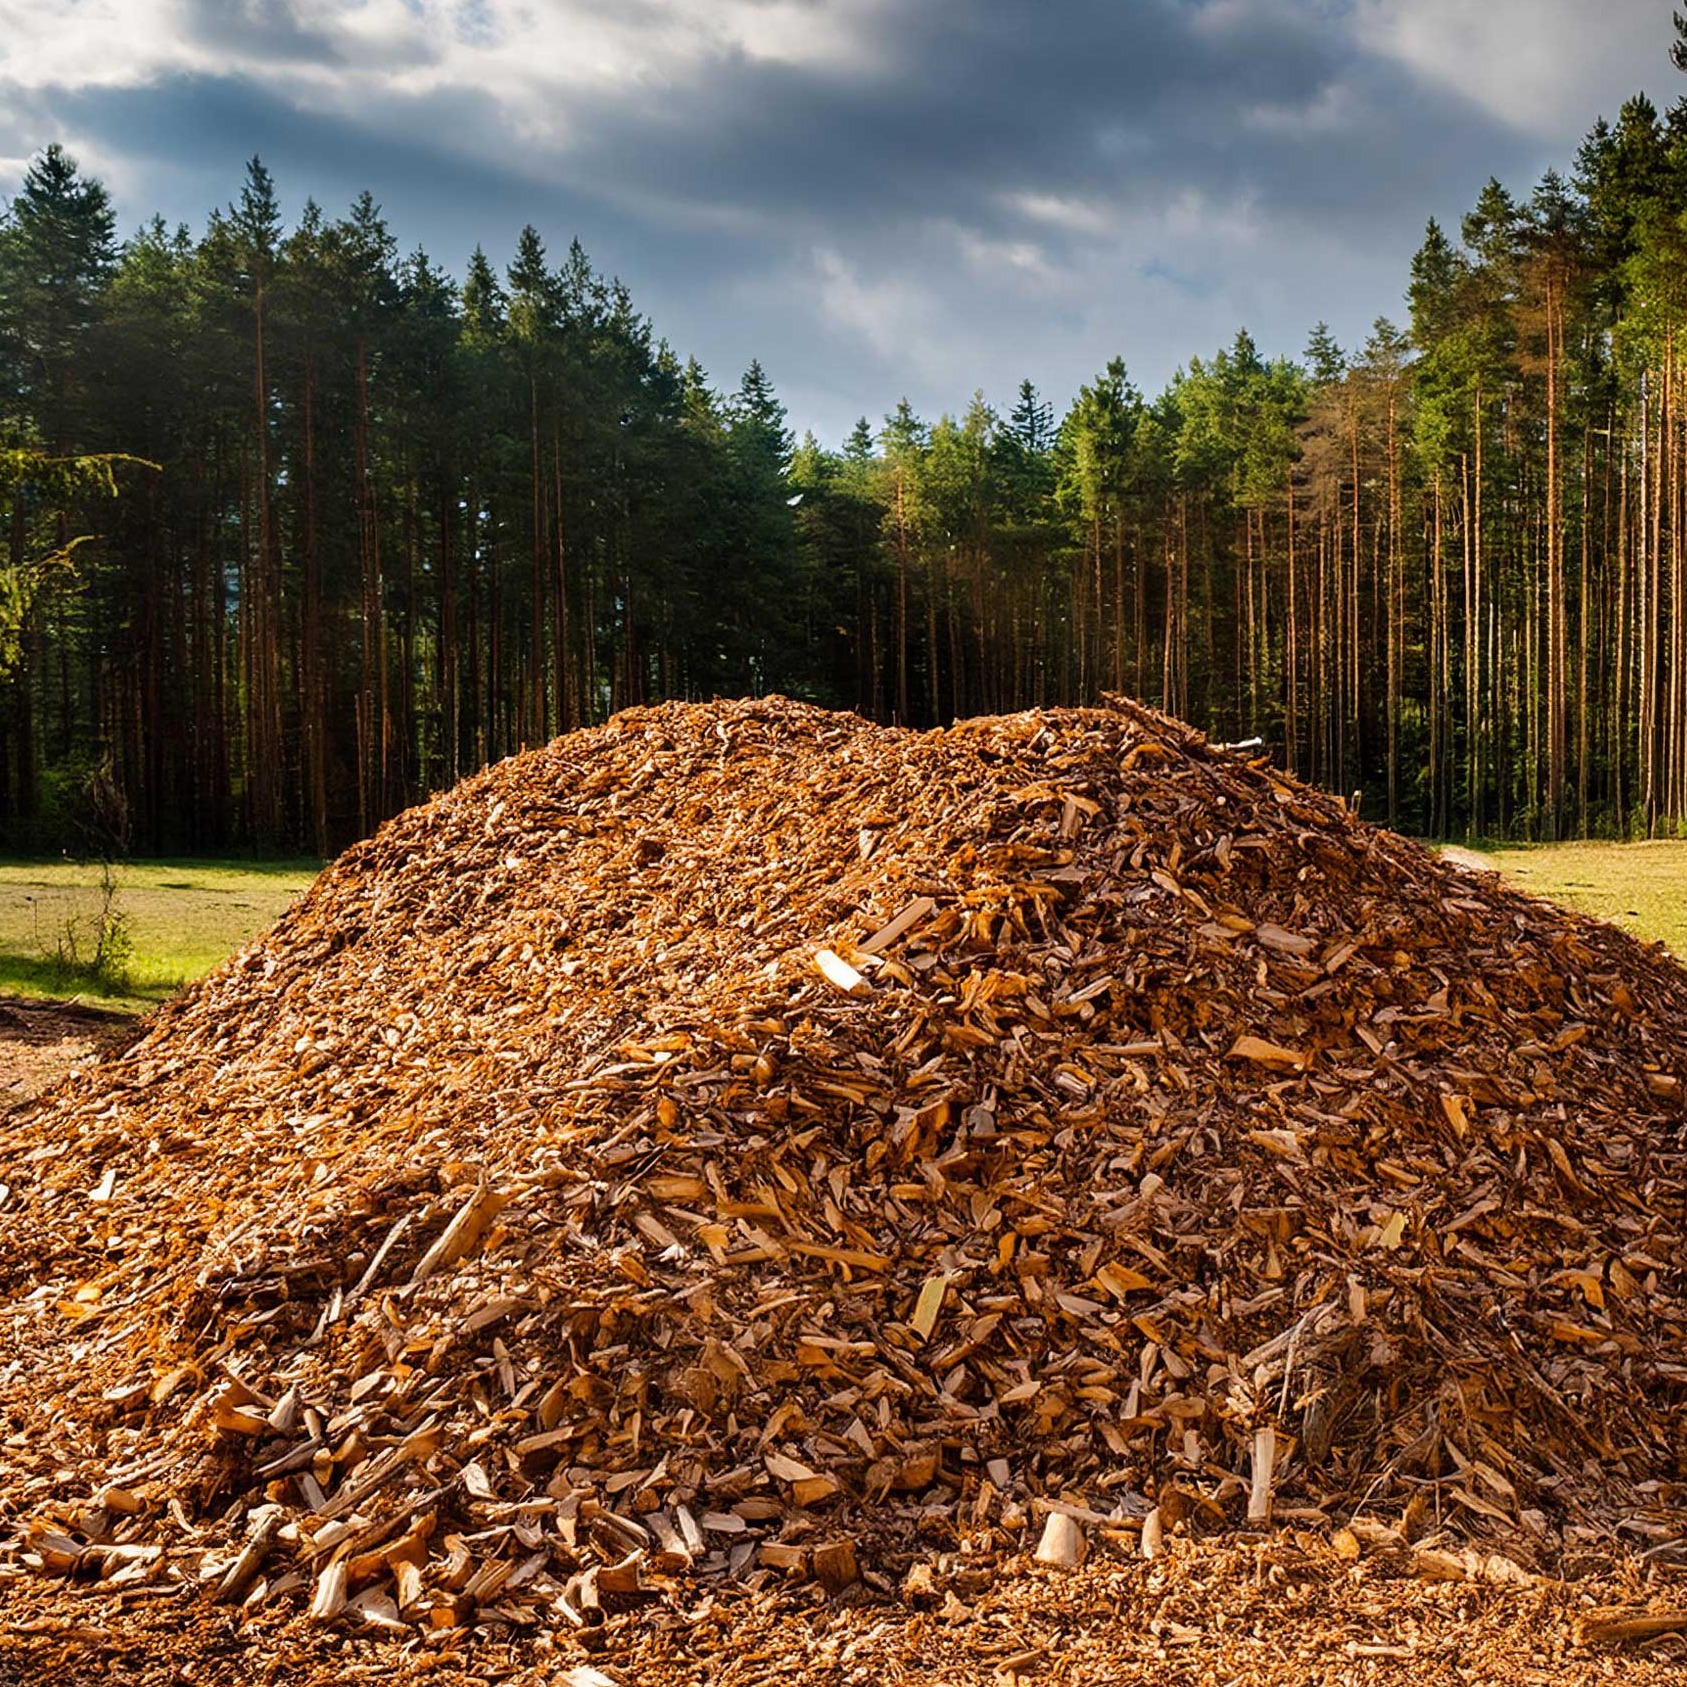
(374, 1609)
(1284, 942)
(1273, 1055)
(284, 1415)
(814, 1490)
(235, 1418)
(579, 1600)
(835, 1566)
(916, 1470)
(328, 1599)
(1029, 1660)
(1616, 1626)
(787, 1469)
(840, 974)
(674, 1552)
(921, 908)
(1263, 1468)
(1121, 1281)
(1062, 1544)
(930, 1303)
(372, 1271)
(463, 1234)
(263, 1526)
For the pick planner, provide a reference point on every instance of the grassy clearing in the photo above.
(1641, 887)
(182, 917)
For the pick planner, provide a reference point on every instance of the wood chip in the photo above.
(921, 908)
(1616, 1627)
(840, 974)
(595, 1226)
(1062, 1544)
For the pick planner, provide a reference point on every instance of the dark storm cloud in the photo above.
(992, 187)
(983, 99)
(197, 132)
(977, 101)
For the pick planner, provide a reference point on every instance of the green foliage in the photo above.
(57, 249)
(1326, 363)
(39, 489)
(94, 944)
(1102, 464)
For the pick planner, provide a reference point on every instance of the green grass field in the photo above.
(1641, 887)
(181, 918)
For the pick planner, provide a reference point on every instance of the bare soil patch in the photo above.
(42, 1041)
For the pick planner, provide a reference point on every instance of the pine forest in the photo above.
(298, 529)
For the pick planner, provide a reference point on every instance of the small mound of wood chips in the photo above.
(741, 1148)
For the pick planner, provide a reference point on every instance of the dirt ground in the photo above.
(40, 1042)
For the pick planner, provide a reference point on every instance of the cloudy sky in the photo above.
(876, 197)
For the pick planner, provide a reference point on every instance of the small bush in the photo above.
(98, 815)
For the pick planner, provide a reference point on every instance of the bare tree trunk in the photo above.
(264, 700)
(564, 664)
(537, 709)
(901, 601)
(1394, 616)
(1557, 657)
(313, 701)
(1291, 638)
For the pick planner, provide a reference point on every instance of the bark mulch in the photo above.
(742, 1194)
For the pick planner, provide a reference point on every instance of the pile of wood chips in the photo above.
(741, 1150)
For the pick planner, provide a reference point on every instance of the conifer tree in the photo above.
(402, 527)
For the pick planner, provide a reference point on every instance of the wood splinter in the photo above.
(1063, 1544)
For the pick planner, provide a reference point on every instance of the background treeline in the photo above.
(384, 527)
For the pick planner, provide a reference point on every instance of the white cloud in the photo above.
(1061, 211)
(1335, 110)
(531, 63)
(68, 44)
(895, 317)
(1543, 66)
(518, 49)
(1204, 219)
(1021, 262)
